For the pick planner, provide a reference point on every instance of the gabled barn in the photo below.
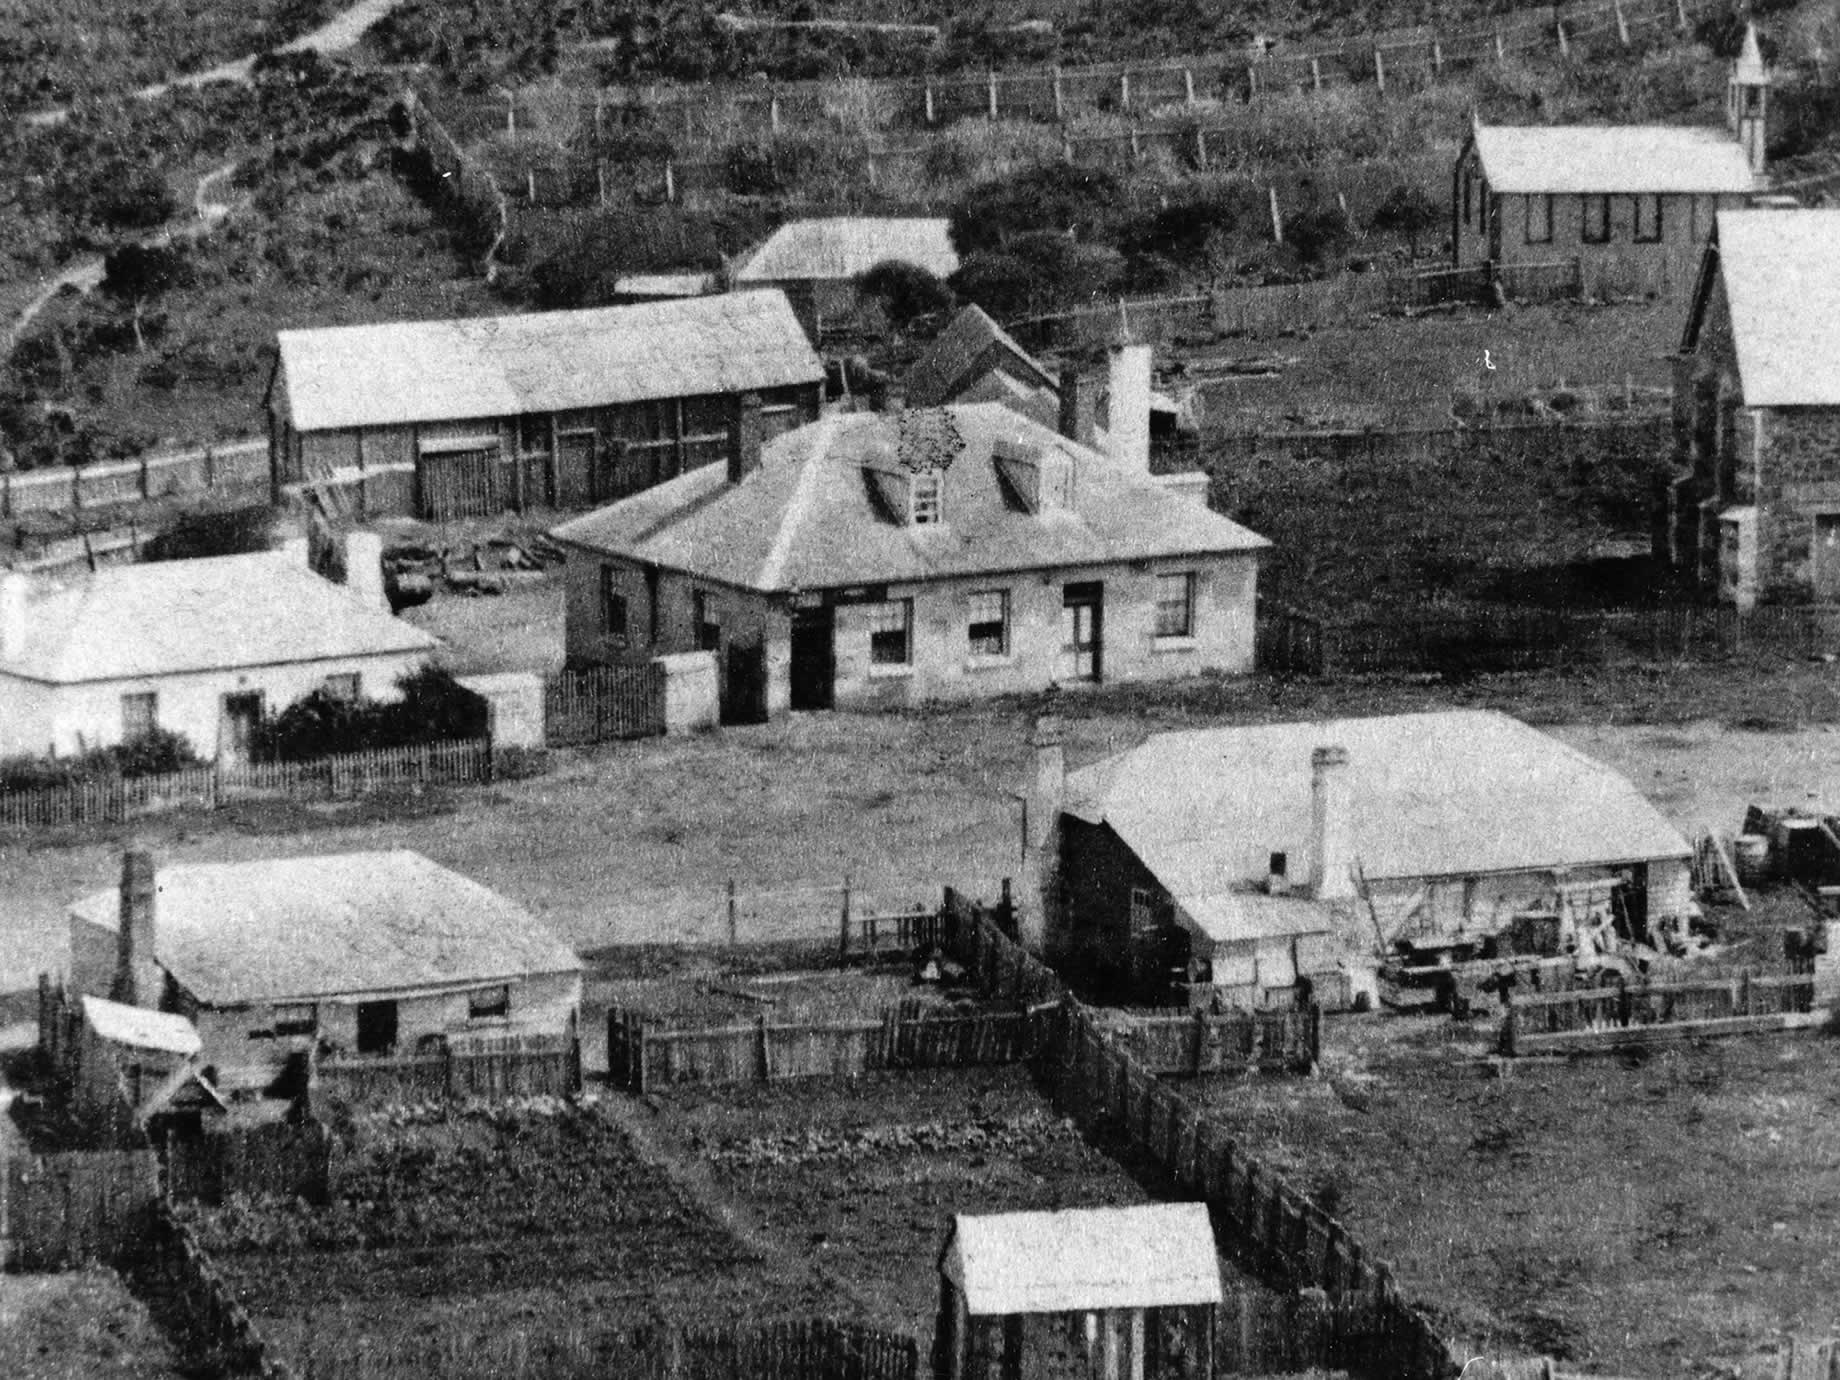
(817, 262)
(451, 419)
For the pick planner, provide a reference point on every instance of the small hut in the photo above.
(1125, 1293)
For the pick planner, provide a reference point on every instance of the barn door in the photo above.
(459, 483)
(575, 469)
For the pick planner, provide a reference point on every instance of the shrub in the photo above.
(433, 708)
(906, 291)
(151, 755)
(1317, 235)
(1406, 211)
(1039, 272)
(227, 532)
(1048, 197)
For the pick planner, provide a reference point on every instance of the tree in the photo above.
(1406, 211)
(1317, 234)
(907, 291)
(137, 273)
(1060, 197)
(1039, 272)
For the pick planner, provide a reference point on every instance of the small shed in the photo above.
(142, 1063)
(1126, 1293)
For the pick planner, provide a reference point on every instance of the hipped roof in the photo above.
(1612, 158)
(809, 518)
(1451, 794)
(1781, 276)
(505, 366)
(215, 613)
(346, 924)
(846, 247)
(1084, 1259)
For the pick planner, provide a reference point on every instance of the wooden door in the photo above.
(1083, 631)
(459, 484)
(814, 665)
(241, 716)
(575, 469)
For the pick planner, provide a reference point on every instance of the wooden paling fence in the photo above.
(644, 1055)
(74, 1208)
(1608, 1018)
(241, 465)
(516, 1066)
(816, 1349)
(290, 1159)
(348, 776)
(168, 1258)
(603, 703)
(1199, 1042)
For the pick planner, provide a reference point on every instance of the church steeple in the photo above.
(1747, 100)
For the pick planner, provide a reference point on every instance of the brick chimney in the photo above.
(15, 593)
(1041, 835)
(1074, 425)
(138, 981)
(1331, 825)
(744, 436)
(364, 568)
(1127, 407)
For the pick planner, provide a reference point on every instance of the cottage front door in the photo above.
(1082, 631)
(1827, 557)
(240, 717)
(814, 662)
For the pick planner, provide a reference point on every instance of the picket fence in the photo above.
(289, 1159)
(1411, 56)
(1199, 1042)
(645, 1054)
(603, 703)
(235, 465)
(74, 1208)
(515, 1066)
(1516, 639)
(347, 776)
(1609, 1018)
(815, 1349)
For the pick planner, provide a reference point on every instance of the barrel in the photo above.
(1752, 855)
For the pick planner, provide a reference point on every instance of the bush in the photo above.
(153, 754)
(906, 291)
(1317, 235)
(433, 708)
(1048, 197)
(1039, 272)
(228, 532)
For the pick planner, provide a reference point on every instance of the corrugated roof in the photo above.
(1084, 1259)
(168, 617)
(944, 367)
(808, 518)
(1612, 158)
(840, 247)
(139, 1028)
(1781, 272)
(283, 929)
(503, 366)
(1451, 794)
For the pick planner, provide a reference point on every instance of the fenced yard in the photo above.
(602, 704)
(1609, 1018)
(490, 1069)
(1196, 1043)
(348, 776)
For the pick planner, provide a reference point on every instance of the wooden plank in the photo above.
(1620, 1037)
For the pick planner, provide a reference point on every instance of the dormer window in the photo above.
(924, 500)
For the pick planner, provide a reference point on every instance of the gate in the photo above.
(459, 484)
(603, 703)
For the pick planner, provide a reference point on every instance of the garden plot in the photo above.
(1667, 1215)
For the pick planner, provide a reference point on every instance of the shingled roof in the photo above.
(1780, 272)
(1625, 159)
(810, 518)
(841, 247)
(1450, 794)
(347, 924)
(169, 617)
(945, 366)
(505, 366)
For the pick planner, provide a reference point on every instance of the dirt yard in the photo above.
(635, 843)
(1669, 1215)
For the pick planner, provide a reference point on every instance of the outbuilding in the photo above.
(453, 419)
(819, 262)
(353, 953)
(1124, 1293)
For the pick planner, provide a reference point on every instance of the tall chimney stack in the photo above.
(1072, 398)
(1127, 408)
(744, 437)
(1041, 835)
(364, 568)
(15, 593)
(1331, 825)
(137, 973)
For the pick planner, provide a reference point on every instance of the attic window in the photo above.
(488, 1003)
(924, 500)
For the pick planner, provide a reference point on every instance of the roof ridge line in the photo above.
(798, 506)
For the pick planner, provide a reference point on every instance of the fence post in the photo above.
(1565, 44)
(1124, 91)
(733, 916)
(761, 1052)
(1501, 48)
(670, 184)
(1622, 24)
(773, 112)
(929, 103)
(993, 93)
(1316, 74)
(843, 932)
(1379, 70)
(1201, 157)
(1188, 86)
(1680, 15)
(1277, 220)
(1059, 100)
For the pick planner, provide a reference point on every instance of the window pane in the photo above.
(139, 715)
(989, 623)
(1596, 219)
(888, 625)
(1648, 218)
(613, 607)
(489, 1002)
(1539, 219)
(924, 499)
(1175, 601)
(343, 687)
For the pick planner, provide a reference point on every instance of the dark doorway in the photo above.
(744, 684)
(814, 662)
(1083, 631)
(376, 1027)
(241, 717)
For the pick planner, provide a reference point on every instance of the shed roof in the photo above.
(141, 1028)
(944, 367)
(1781, 276)
(219, 612)
(1612, 158)
(504, 366)
(1449, 794)
(809, 519)
(1084, 1259)
(345, 924)
(841, 247)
